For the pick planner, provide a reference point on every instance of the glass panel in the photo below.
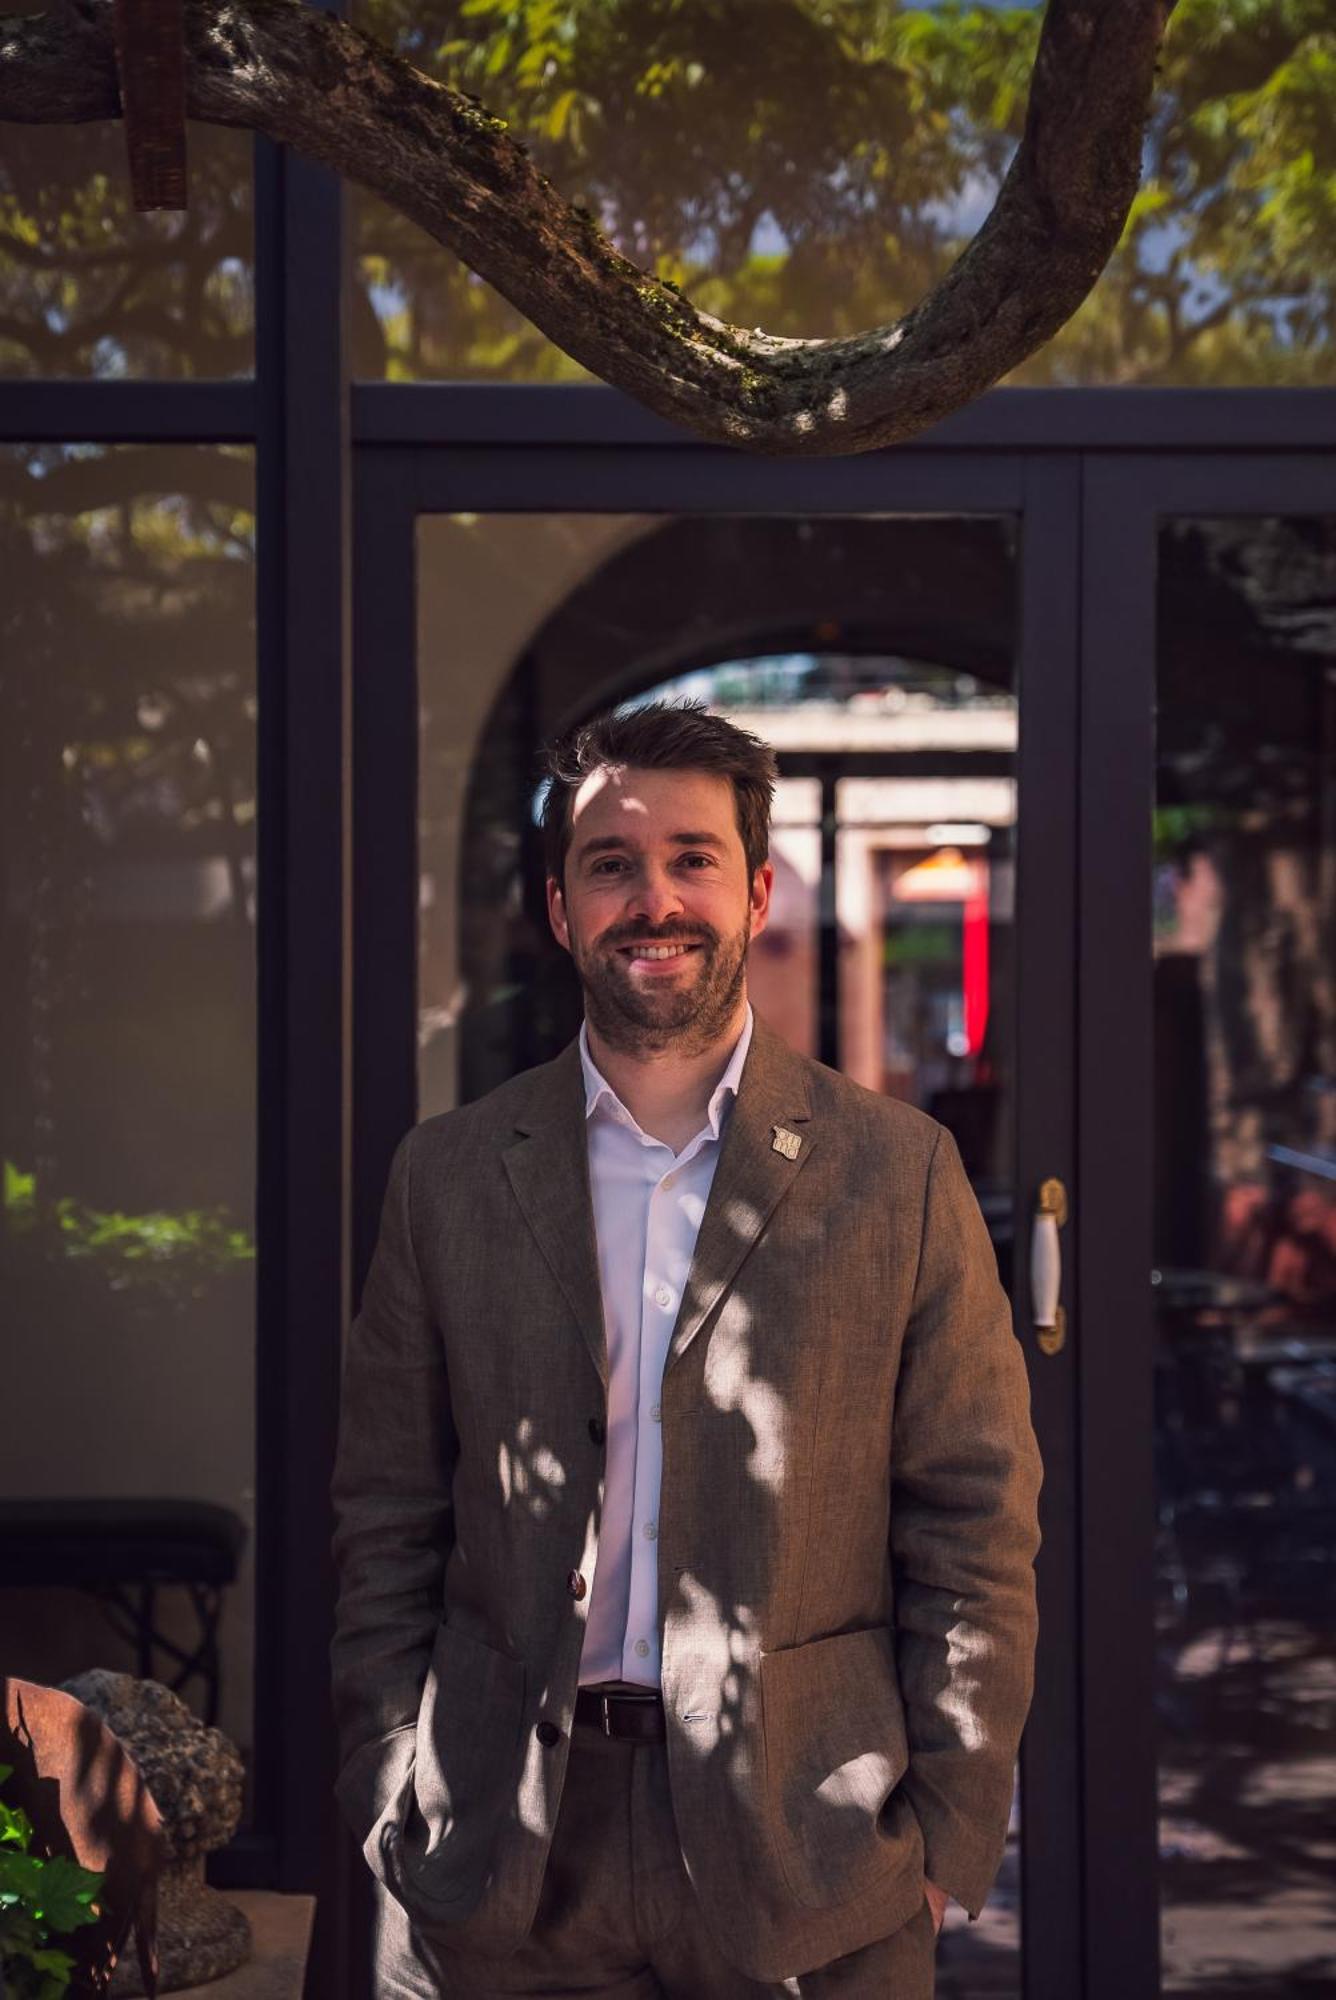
(876, 656)
(127, 1097)
(1245, 1250)
(925, 886)
(817, 171)
(90, 288)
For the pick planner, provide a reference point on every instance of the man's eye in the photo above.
(611, 862)
(706, 860)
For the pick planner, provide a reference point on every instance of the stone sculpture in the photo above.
(195, 1776)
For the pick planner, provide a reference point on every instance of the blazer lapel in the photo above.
(752, 1177)
(549, 1172)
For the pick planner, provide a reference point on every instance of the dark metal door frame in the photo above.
(393, 485)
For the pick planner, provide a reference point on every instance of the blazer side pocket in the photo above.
(836, 1749)
(373, 1790)
(465, 1772)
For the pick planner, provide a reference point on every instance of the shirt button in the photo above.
(548, 1734)
(657, 1413)
(663, 1297)
(576, 1584)
(650, 1531)
(642, 1648)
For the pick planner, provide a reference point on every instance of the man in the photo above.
(686, 1488)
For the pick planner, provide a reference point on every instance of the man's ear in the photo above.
(763, 882)
(556, 913)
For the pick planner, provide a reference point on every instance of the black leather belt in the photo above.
(636, 1717)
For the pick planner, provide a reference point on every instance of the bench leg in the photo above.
(135, 1617)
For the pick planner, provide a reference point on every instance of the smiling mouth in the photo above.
(655, 954)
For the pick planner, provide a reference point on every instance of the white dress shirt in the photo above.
(648, 1203)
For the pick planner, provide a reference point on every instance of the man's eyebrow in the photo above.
(617, 843)
(606, 843)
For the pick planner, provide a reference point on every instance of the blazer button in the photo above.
(548, 1734)
(576, 1584)
(598, 1430)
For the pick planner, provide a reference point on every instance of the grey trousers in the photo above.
(618, 1918)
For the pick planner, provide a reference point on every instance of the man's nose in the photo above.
(655, 898)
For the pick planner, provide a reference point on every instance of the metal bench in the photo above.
(121, 1552)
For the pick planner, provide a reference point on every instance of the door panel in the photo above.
(1216, 761)
(914, 664)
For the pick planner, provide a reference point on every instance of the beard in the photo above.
(650, 1016)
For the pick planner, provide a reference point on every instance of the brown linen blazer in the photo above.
(847, 1527)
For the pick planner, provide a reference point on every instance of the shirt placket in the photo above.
(640, 1651)
(660, 1298)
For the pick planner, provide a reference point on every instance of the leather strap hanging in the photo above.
(151, 60)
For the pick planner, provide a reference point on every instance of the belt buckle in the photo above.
(605, 1708)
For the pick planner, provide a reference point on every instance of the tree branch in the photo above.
(332, 93)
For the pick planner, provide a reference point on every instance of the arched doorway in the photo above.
(876, 655)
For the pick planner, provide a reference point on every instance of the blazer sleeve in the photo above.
(965, 1480)
(391, 1492)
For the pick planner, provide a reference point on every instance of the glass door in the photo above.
(1219, 1103)
(891, 632)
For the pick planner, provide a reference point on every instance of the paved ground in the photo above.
(1247, 1828)
(1248, 1800)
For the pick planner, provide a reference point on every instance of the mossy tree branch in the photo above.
(331, 92)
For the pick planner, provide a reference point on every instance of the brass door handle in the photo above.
(1050, 1319)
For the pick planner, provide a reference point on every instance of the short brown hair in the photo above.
(661, 736)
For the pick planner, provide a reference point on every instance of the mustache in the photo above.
(680, 934)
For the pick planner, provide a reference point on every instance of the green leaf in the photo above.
(20, 1878)
(67, 1894)
(15, 1827)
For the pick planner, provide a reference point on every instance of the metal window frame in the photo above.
(1219, 422)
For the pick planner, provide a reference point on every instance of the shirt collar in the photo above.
(599, 1092)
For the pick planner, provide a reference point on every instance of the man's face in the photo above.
(656, 861)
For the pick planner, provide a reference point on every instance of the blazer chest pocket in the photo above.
(468, 1736)
(835, 1751)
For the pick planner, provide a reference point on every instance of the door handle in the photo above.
(1050, 1319)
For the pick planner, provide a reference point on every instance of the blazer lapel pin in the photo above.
(785, 1142)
